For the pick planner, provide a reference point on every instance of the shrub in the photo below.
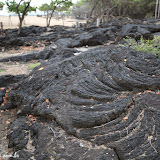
(147, 46)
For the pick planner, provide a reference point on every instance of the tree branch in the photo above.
(17, 7)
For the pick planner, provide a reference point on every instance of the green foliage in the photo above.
(64, 6)
(1, 5)
(11, 5)
(129, 8)
(60, 5)
(44, 7)
(134, 8)
(1, 70)
(32, 66)
(147, 46)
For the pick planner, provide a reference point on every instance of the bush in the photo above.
(147, 46)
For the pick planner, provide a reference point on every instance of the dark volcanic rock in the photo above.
(33, 55)
(7, 81)
(30, 36)
(134, 31)
(114, 31)
(15, 42)
(101, 105)
(57, 52)
(93, 38)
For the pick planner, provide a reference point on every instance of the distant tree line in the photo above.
(134, 8)
(91, 9)
(105, 9)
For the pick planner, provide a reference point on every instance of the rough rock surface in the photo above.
(7, 81)
(30, 36)
(115, 30)
(103, 104)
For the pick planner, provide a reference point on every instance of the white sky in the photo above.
(36, 3)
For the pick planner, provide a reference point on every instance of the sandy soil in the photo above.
(12, 22)
(15, 68)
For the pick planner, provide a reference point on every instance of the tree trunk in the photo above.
(47, 17)
(91, 13)
(21, 18)
(20, 26)
(159, 9)
(49, 20)
(156, 9)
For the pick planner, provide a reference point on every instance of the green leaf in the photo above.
(147, 46)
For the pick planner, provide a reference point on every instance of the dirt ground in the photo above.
(16, 68)
(5, 119)
(12, 22)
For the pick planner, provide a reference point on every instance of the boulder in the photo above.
(94, 37)
(134, 31)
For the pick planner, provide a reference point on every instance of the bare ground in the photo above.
(16, 68)
(5, 119)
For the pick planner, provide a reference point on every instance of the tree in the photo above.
(134, 8)
(81, 9)
(53, 6)
(106, 9)
(44, 7)
(21, 8)
(1, 5)
(100, 9)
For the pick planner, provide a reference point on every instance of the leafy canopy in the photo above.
(11, 5)
(61, 5)
(1, 5)
(44, 7)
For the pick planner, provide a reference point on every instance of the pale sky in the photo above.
(36, 3)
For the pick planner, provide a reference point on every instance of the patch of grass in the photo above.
(1, 70)
(147, 46)
(32, 66)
